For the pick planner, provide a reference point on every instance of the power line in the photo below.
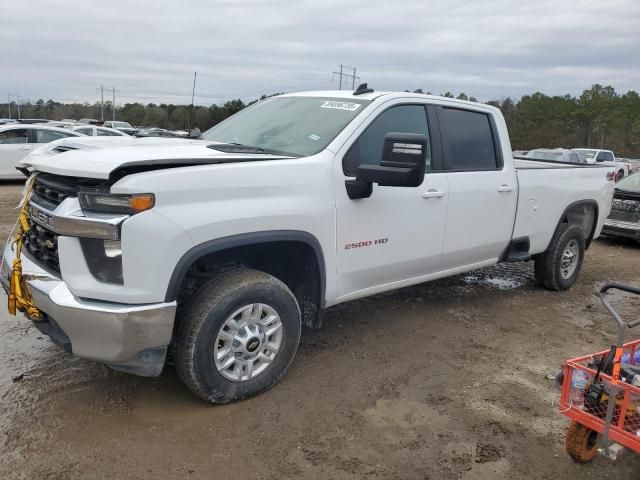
(352, 76)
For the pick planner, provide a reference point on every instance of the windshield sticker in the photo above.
(314, 137)
(349, 106)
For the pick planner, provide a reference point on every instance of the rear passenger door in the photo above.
(482, 188)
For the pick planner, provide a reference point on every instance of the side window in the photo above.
(46, 136)
(601, 157)
(106, 133)
(86, 131)
(14, 136)
(467, 140)
(400, 119)
(608, 156)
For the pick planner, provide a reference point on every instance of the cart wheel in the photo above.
(581, 443)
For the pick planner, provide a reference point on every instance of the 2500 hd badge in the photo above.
(366, 243)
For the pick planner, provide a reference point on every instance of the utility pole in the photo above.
(113, 106)
(352, 76)
(604, 124)
(193, 93)
(17, 95)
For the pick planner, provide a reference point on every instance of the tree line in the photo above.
(599, 118)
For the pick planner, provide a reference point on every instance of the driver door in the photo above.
(396, 235)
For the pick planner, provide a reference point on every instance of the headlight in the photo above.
(116, 203)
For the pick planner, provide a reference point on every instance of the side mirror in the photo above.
(402, 163)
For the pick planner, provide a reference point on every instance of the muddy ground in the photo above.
(445, 380)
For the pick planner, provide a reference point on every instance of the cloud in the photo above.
(149, 50)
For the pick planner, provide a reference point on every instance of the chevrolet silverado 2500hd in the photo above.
(220, 249)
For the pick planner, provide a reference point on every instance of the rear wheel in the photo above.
(559, 266)
(581, 443)
(237, 336)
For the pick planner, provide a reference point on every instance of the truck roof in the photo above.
(349, 94)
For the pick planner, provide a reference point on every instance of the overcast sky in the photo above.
(64, 49)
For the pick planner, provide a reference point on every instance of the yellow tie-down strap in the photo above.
(19, 296)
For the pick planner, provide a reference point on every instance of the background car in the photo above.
(94, 131)
(624, 219)
(122, 126)
(18, 140)
(90, 121)
(556, 155)
(156, 132)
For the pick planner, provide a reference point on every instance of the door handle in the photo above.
(432, 193)
(505, 188)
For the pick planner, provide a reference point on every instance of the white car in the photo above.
(94, 131)
(606, 157)
(122, 126)
(222, 248)
(18, 140)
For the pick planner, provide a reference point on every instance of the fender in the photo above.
(591, 202)
(224, 243)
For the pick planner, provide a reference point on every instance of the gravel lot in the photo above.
(445, 380)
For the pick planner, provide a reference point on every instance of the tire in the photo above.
(581, 443)
(549, 267)
(209, 325)
(619, 176)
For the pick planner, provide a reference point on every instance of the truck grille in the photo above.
(42, 244)
(50, 190)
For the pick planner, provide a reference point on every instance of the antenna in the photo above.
(362, 89)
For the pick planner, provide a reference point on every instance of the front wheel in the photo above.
(581, 443)
(558, 267)
(236, 336)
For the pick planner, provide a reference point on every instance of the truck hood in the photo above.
(100, 157)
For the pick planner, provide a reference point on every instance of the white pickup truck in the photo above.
(220, 249)
(606, 158)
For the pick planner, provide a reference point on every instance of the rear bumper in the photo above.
(620, 228)
(133, 338)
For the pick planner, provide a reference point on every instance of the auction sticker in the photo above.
(350, 106)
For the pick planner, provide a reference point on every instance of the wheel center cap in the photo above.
(253, 344)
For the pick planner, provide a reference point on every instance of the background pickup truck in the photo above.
(220, 249)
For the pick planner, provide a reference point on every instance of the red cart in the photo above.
(601, 394)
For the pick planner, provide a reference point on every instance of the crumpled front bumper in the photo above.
(131, 338)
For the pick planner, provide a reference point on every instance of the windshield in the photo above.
(545, 155)
(588, 154)
(630, 183)
(297, 126)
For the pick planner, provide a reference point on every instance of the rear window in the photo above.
(46, 136)
(467, 139)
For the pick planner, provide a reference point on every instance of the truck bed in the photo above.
(525, 163)
(546, 189)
